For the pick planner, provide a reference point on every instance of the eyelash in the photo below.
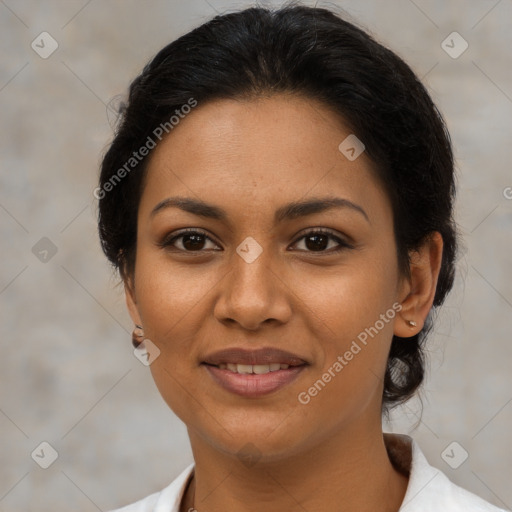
(168, 242)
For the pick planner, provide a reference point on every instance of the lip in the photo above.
(267, 355)
(253, 385)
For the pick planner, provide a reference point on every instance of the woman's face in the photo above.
(257, 274)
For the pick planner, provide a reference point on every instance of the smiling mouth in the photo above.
(254, 380)
(256, 369)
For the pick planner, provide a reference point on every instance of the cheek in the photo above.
(171, 307)
(353, 298)
(357, 308)
(350, 368)
(170, 298)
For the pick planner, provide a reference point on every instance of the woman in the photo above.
(278, 200)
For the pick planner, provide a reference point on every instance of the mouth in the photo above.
(240, 359)
(256, 369)
(253, 373)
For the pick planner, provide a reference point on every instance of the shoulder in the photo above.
(430, 490)
(168, 499)
(460, 499)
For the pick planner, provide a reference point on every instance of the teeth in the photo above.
(261, 368)
(258, 369)
(244, 368)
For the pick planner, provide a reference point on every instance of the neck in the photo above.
(349, 472)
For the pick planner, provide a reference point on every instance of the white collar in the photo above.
(428, 490)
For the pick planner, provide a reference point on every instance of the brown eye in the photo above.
(318, 241)
(190, 240)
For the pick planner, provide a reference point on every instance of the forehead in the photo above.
(259, 151)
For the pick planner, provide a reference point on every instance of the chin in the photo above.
(269, 440)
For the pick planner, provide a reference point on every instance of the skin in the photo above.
(250, 158)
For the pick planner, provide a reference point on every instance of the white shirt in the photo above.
(429, 489)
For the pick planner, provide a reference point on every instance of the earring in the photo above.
(412, 323)
(137, 336)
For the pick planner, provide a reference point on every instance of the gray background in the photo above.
(68, 373)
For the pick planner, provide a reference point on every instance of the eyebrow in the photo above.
(291, 210)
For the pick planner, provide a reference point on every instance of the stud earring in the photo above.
(412, 323)
(137, 336)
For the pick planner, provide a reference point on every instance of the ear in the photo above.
(420, 288)
(131, 301)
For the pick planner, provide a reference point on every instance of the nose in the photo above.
(253, 293)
